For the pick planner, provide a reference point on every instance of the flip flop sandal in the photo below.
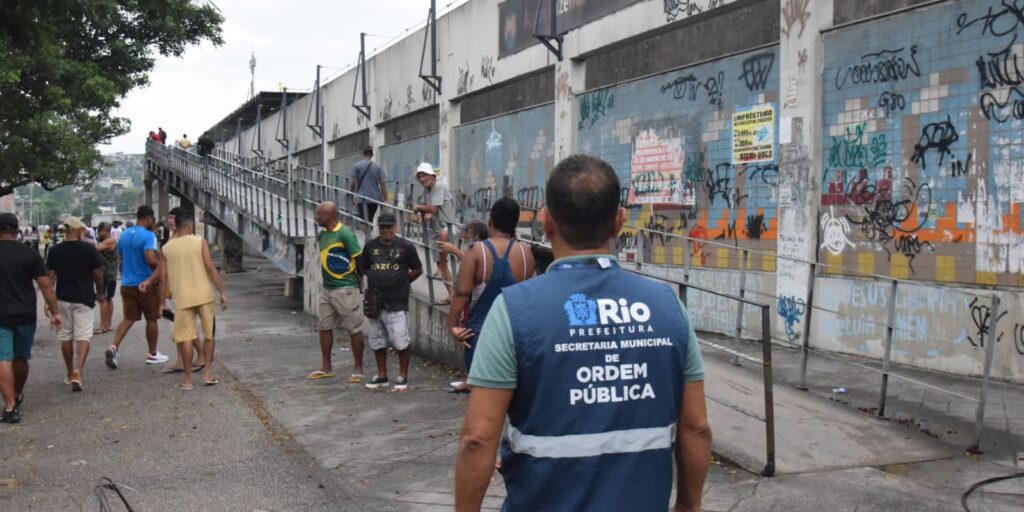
(76, 385)
(198, 368)
(319, 375)
(213, 382)
(179, 386)
(356, 378)
(173, 370)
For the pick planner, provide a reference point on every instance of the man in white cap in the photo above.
(437, 214)
(76, 267)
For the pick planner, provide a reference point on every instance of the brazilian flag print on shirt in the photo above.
(339, 248)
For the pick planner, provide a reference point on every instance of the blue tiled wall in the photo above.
(513, 150)
(923, 93)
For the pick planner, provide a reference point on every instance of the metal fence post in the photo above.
(886, 358)
(428, 263)
(641, 237)
(769, 391)
(739, 305)
(806, 342)
(990, 344)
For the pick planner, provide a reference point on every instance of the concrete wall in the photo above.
(922, 155)
(670, 139)
(928, 89)
(400, 160)
(513, 151)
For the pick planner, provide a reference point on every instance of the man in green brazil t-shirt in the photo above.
(341, 301)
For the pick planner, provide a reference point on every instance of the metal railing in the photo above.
(253, 189)
(261, 193)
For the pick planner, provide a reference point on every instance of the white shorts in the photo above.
(392, 326)
(78, 322)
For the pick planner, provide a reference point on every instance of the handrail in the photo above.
(310, 186)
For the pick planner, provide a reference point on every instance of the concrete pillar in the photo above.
(148, 195)
(233, 250)
(569, 79)
(188, 206)
(162, 199)
(451, 113)
(800, 136)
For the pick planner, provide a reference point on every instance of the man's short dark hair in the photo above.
(145, 212)
(542, 258)
(478, 228)
(104, 226)
(505, 215)
(583, 198)
(184, 218)
(368, 151)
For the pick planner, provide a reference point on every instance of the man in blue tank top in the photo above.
(597, 370)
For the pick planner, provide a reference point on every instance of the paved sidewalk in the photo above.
(203, 449)
(273, 440)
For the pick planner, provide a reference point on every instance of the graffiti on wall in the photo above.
(920, 156)
(678, 9)
(594, 106)
(671, 139)
(507, 155)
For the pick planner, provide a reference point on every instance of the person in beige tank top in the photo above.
(188, 273)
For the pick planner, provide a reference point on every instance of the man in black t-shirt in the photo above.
(75, 266)
(391, 264)
(20, 267)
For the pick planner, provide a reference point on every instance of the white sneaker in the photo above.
(111, 358)
(157, 358)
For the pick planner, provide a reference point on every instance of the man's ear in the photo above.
(548, 223)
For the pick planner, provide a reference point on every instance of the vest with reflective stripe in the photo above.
(600, 354)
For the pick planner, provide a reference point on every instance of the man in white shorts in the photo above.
(390, 264)
(76, 267)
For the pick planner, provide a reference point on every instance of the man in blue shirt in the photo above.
(596, 368)
(140, 294)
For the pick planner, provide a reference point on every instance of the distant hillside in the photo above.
(122, 165)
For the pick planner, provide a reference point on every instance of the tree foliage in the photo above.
(64, 67)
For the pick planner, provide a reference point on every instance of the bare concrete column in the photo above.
(800, 135)
(450, 118)
(148, 183)
(569, 81)
(233, 249)
(162, 199)
(187, 205)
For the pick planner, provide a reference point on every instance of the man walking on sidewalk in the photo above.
(341, 303)
(20, 267)
(368, 180)
(140, 259)
(76, 268)
(390, 264)
(188, 272)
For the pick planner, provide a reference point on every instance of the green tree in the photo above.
(64, 67)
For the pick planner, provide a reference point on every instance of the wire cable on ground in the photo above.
(106, 484)
(983, 483)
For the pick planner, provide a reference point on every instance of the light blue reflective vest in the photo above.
(601, 356)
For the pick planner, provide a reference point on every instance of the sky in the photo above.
(191, 93)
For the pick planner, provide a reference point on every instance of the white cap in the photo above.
(426, 168)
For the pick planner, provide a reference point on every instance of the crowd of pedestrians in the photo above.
(78, 273)
(544, 332)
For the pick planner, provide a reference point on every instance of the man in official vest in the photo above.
(597, 369)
